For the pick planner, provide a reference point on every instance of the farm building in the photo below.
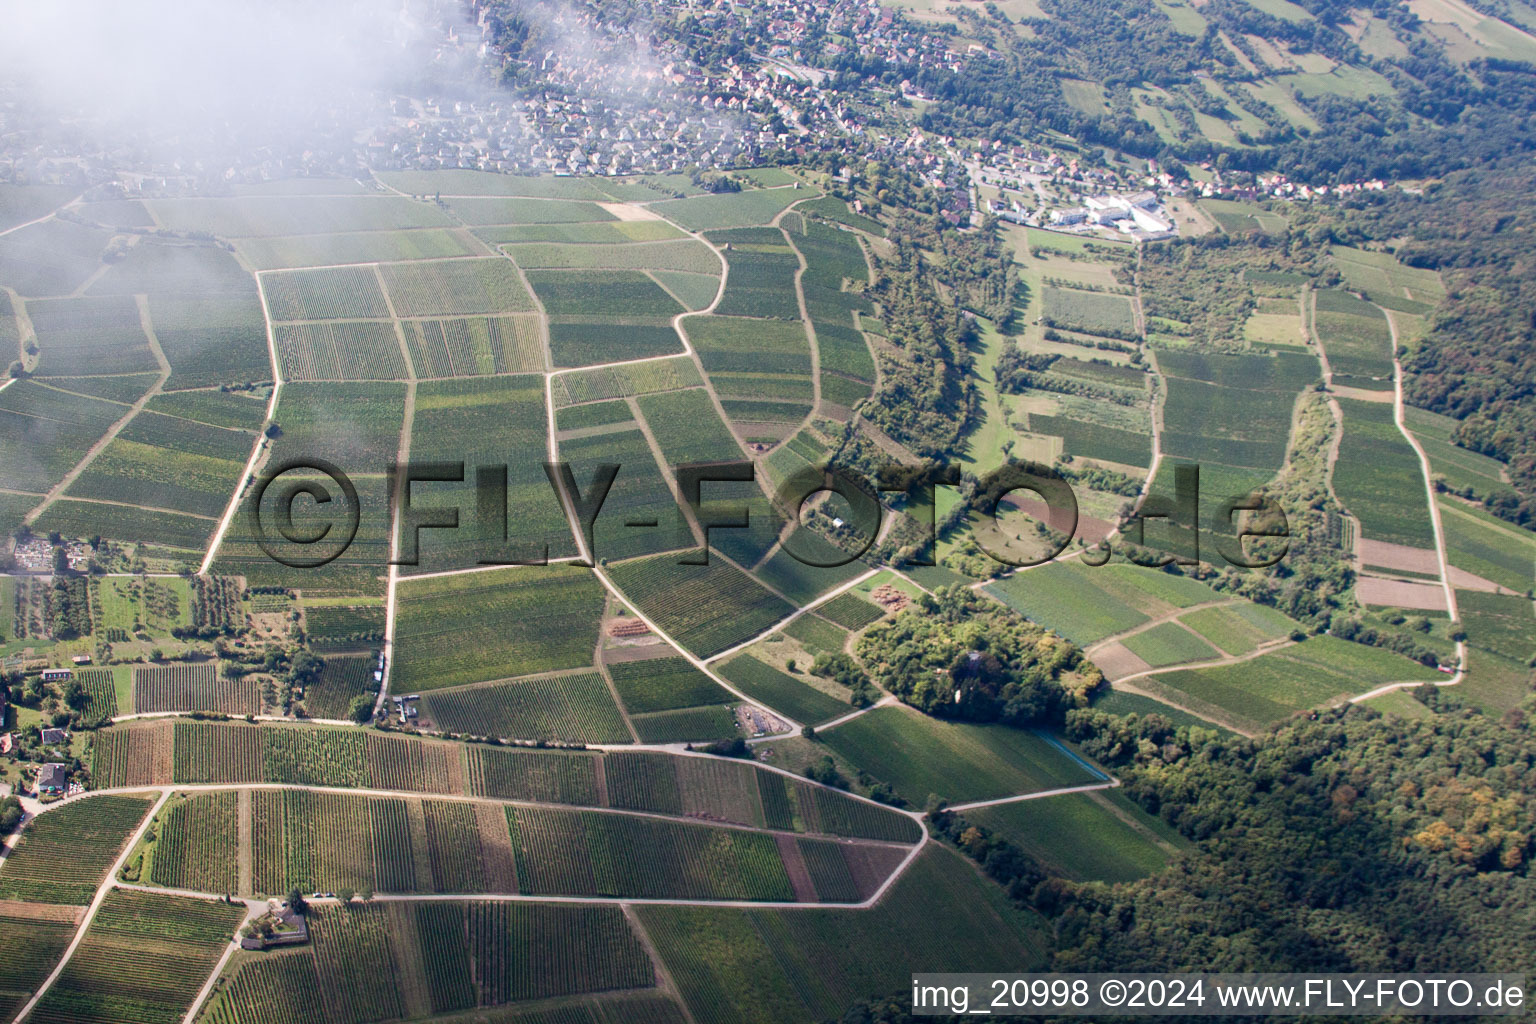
(57, 675)
(51, 778)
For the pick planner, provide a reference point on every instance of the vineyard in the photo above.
(195, 842)
(64, 854)
(575, 708)
(204, 753)
(707, 609)
(505, 773)
(334, 294)
(343, 678)
(664, 684)
(131, 756)
(142, 961)
(467, 347)
(456, 287)
(341, 627)
(193, 687)
(274, 990)
(349, 350)
(470, 628)
(29, 947)
(101, 690)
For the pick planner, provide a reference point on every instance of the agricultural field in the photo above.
(575, 853)
(745, 345)
(63, 855)
(1168, 643)
(781, 691)
(31, 945)
(705, 608)
(232, 410)
(664, 684)
(340, 350)
(1278, 684)
(1086, 837)
(379, 962)
(127, 607)
(1478, 543)
(678, 256)
(687, 428)
(572, 708)
(816, 634)
(44, 432)
(767, 966)
(1089, 312)
(474, 346)
(919, 756)
(687, 725)
(340, 293)
(1356, 339)
(166, 463)
(476, 627)
(610, 382)
(332, 627)
(343, 678)
(195, 838)
(730, 210)
(486, 422)
(142, 961)
(300, 251)
(456, 288)
(640, 494)
(760, 281)
(1378, 479)
(1085, 604)
(1233, 410)
(1239, 628)
(93, 335)
(192, 687)
(269, 216)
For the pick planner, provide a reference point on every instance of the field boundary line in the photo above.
(95, 904)
(1091, 787)
(261, 438)
(693, 659)
(836, 592)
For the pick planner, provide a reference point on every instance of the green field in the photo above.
(1239, 628)
(1479, 543)
(1087, 837)
(456, 287)
(142, 960)
(919, 755)
(1276, 685)
(1378, 478)
(664, 684)
(707, 609)
(765, 967)
(491, 422)
(64, 855)
(1356, 338)
(1168, 643)
(574, 708)
(474, 627)
(730, 210)
(782, 692)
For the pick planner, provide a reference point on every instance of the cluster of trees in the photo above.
(1344, 841)
(926, 398)
(69, 607)
(958, 654)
